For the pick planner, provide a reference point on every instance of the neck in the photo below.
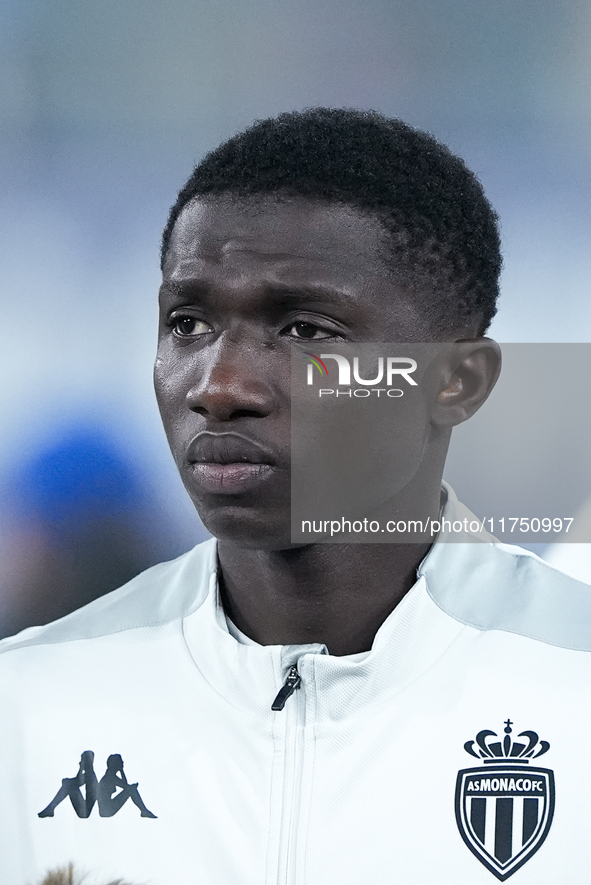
(338, 594)
(335, 594)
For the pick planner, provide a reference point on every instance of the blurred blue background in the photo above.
(105, 107)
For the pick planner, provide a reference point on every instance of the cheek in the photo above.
(158, 376)
(161, 385)
(170, 390)
(161, 375)
(353, 455)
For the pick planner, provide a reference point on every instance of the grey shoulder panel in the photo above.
(497, 587)
(163, 593)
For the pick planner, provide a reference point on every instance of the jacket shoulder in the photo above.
(163, 593)
(493, 586)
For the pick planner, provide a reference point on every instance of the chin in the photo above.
(250, 530)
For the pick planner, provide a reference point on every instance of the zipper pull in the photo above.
(292, 682)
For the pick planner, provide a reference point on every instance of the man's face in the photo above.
(242, 281)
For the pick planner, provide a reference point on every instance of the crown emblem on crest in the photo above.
(507, 749)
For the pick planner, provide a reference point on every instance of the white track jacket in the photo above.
(453, 752)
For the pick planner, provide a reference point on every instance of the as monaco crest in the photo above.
(504, 808)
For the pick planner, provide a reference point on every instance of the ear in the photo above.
(468, 372)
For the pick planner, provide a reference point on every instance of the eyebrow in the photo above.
(285, 293)
(295, 294)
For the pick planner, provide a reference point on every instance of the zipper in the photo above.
(292, 723)
(292, 682)
(291, 729)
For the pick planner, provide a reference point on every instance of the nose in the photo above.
(234, 380)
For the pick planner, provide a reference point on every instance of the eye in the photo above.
(302, 331)
(186, 326)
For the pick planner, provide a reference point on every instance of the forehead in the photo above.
(290, 235)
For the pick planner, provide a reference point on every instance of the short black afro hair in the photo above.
(443, 236)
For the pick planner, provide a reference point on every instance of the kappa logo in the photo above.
(504, 808)
(110, 793)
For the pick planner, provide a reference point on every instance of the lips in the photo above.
(228, 463)
(227, 448)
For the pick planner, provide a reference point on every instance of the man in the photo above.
(306, 713)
